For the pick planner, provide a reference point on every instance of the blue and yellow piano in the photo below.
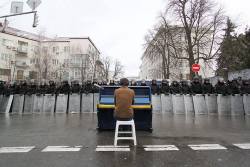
(142, 108)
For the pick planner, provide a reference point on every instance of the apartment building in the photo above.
(28, 56)
(151, 68)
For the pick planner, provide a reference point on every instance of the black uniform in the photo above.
(143, 83)
(165, 88)
(233, 87)
(75, 87)
(196, 87)
(1, 87)
(185, 88)
(51, 88)
(207, 87)
(155, 89)
(245, 88)
(221, 88)
(175, 88)
(64, 88)
(87, 87)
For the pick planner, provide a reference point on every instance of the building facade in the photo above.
(27, 56)
(152, 62)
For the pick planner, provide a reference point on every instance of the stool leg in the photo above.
(134, 134)
(116, 133)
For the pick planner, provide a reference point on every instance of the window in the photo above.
(5, 72)
(66, 49)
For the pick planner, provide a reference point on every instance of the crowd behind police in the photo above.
(196, 86)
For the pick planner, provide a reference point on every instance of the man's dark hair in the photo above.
(124, 82)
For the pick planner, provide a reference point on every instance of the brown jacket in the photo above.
(124, 98)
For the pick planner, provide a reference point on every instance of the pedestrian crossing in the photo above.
(112, 148)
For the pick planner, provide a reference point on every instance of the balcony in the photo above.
(21, 64)
(22, 49)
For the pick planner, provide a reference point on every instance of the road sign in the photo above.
(16, 7)
(196, 67)
(33, 4)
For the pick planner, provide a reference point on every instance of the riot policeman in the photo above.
(165, 88)
(75, 87)
(185, 88)
(87, 87)
(112, 83)
(104, 83)
(221, 87)
(245, 89)
(1, 87)
(196, 87)
(155, 89)
(23, 87)
(133, 83)
(143, 82)
(232, 87)
(95, 89)
(32, 87)
(175, 87)
(64, 88)
(207, 87)
(51, 88)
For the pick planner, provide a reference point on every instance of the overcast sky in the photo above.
(117, 27)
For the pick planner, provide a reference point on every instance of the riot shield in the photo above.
(246, 102)
(18, 103)
(38, 103)
(237, 106)
(211, 103)
(156, 103)
(49, 103)
(87, 102)
(74, 103)
(5, 104)
(28, 103)
(178, 104)
(166, 103)
(188, 103)
(223, 105)
(61, 103)
(199, 104)
(96, 101)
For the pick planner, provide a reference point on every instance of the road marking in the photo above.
(160, 148)
(245, 146)
(16, 149)
(62, 149)
(110, 148)
(207, 147)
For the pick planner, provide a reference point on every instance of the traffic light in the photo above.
(35, 22)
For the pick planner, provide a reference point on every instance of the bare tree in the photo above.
(118, 69)
(42, 58)
(107, 62)
(159, 46)
(202, 22)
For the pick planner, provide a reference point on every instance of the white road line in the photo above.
(160, 148)
(108, 146)
(245, 146)
(16, 149)
(207, 147)
(106, 149)
(62, 149)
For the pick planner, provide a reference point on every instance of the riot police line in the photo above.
(197, 97)
(26, 97)
(182, 97)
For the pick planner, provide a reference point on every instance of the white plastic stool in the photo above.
(133, 137)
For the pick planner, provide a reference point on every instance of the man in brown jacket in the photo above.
(124, 98)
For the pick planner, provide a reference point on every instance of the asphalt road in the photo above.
(40, 133)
